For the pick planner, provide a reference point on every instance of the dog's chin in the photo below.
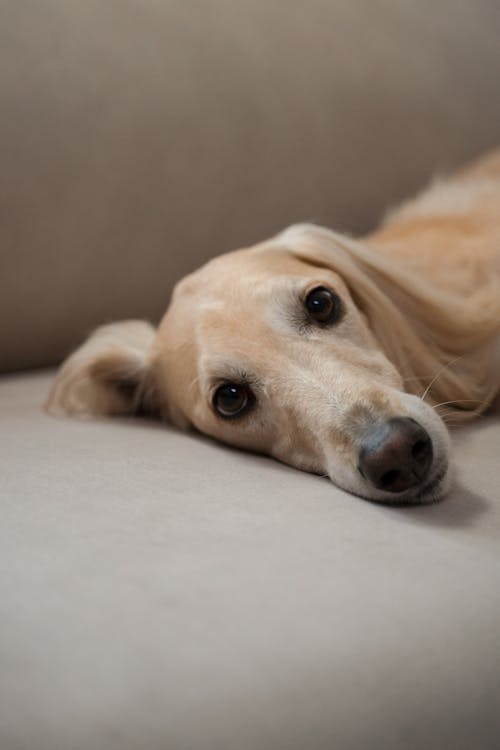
(431, 491)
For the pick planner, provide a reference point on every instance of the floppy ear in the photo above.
(440, 342)
(111, 373)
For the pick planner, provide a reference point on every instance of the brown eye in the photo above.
(231, 400)
(323, 305)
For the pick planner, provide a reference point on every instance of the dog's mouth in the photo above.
(428, 493)
(432, 491)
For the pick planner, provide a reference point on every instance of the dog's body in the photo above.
(316, 348)
(450, 233)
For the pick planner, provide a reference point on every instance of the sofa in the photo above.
(159, 591)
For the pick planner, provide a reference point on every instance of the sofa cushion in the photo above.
(159, 590)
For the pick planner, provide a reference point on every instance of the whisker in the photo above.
(441, 370)
(460, 401)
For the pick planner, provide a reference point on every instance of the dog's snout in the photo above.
(395, 455)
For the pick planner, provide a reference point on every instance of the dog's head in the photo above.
(272, 349)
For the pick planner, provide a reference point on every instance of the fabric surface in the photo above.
(159, 590)
(139, 138)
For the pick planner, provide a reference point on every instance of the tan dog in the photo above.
(320, 350)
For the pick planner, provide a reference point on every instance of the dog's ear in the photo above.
(325, 248)
(364, 271)
(423, 329)
(111, 373)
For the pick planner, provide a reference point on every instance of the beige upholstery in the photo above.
(141, 137)
(159, 591)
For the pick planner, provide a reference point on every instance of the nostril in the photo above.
(420, 450)
(389, 478)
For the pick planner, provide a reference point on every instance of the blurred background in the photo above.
(141, 137)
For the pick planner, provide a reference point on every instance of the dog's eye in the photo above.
(323, 305)
(231, 400)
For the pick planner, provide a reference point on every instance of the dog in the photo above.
(339, 356)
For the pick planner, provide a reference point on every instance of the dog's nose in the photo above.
(395, 455)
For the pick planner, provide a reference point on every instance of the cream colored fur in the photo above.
(420, 329)
(109, 373)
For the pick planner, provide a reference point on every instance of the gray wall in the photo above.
(140, 138)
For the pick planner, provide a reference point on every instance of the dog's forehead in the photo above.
(247, 269)
(226, 297)
(233, 293)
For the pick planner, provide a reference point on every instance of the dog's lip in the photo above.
(439, 475)
(422, 496)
